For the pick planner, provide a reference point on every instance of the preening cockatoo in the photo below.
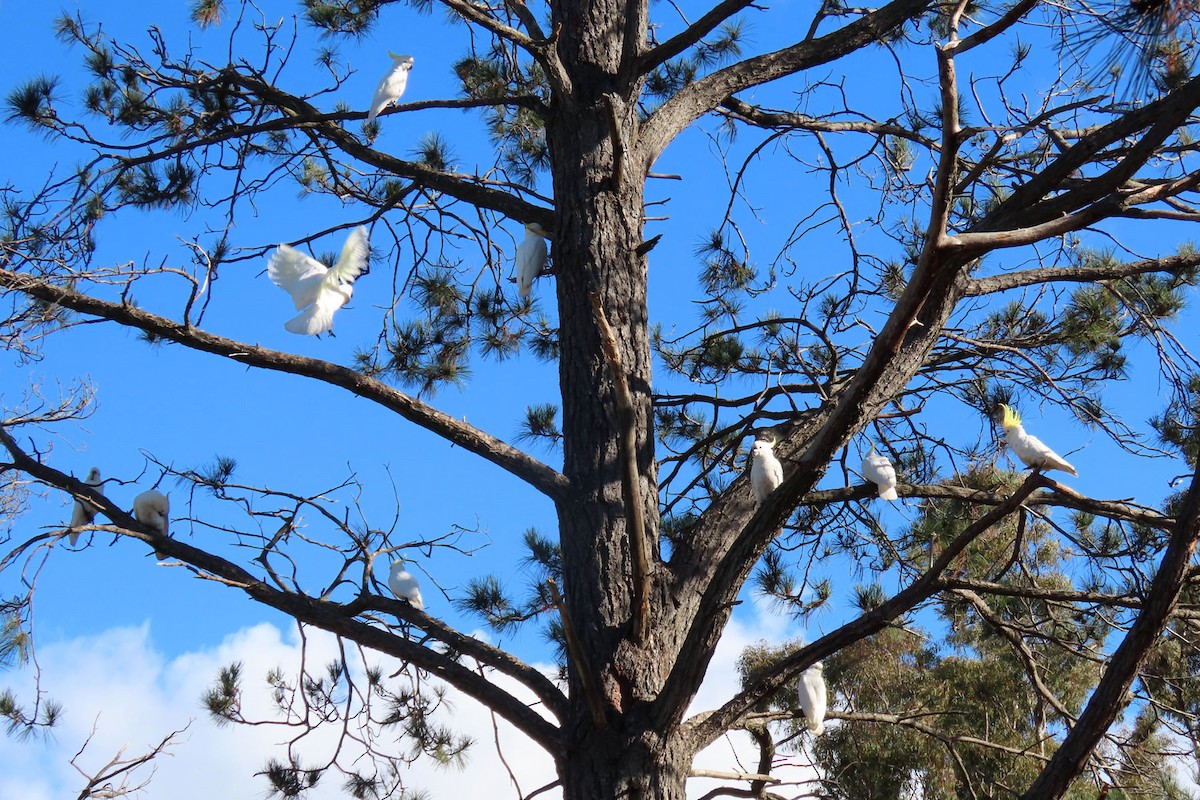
(878, 469)
(766, 473)
(404, 585)
(312, 284)
(1030, 449)
(531, 257)
(811, 692)
(152, 508)
(83, 513)
(391, 85)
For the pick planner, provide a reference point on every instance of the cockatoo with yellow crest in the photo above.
(404, 585)
(391, 85)
(531, 257)
(811, 693)
(315, 288)
(1030, 449)
(878, 469)
(84, 512)
(766, 473)
(152, 509)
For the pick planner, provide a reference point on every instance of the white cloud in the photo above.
(133, 695)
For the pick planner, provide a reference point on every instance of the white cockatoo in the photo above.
(404, 585)
(878, 469)
(391, 85)
(811, 691)
(84, 512)
(766, 473)
(315, 288)
(152, 508)
(531, 257)
(1030, 449)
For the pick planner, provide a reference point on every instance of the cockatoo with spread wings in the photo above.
(84, 512)
(404, 585)
(152, 508)
(531, 257)
(315, 288)
(1030, 449)
(811, 692)
(766, 473)
(391, 85)
(878, 469)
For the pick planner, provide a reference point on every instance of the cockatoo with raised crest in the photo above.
(531, 257)
(315, 288)
(152, 508)
(878, 469)
(1027, 447)
(84, 512)
(404, 585)
(766, 473)
(811, 693)
(391, 85)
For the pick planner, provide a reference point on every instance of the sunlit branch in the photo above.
(547, 480)
(706, 728)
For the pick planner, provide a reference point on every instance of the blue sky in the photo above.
(186, 408)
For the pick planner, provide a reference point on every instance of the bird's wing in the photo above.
(531, 257)
(352, 259)
(390, 87)
(296, 273)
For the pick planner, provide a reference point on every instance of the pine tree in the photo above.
(989, 218)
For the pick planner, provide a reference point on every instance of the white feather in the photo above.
(315, 288)
(1031, 450)
(391, 85)
(878, 469)
(811, 693)
(766, 473)
(404, 585)
(83, 513)
(531, 258)
(152, 508)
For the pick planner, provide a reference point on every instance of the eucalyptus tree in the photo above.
(977, 208)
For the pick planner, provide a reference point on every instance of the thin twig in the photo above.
(575, 649)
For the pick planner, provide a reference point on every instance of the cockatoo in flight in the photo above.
(84, 512)
(404, 585)
(878, 469)
(151, 508)
(766, 473)
(1030, 449)
(811, 692)
(531, 257)
(391, 85)
(315, 288)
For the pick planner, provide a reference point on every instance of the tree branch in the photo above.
(591, 691)
(334, 617)
(704, 729)
(690, 35)
(1110, 697)
(1032, 277)
(543, 478)
(702, 96)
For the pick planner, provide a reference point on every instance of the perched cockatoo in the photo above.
(404, 585)
(391, 86)
(318, 290)
(1030, 449)
(84, 512)
(811, 691)
(531, 257)
(151, 508)
(878, 469)
(766, 473)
